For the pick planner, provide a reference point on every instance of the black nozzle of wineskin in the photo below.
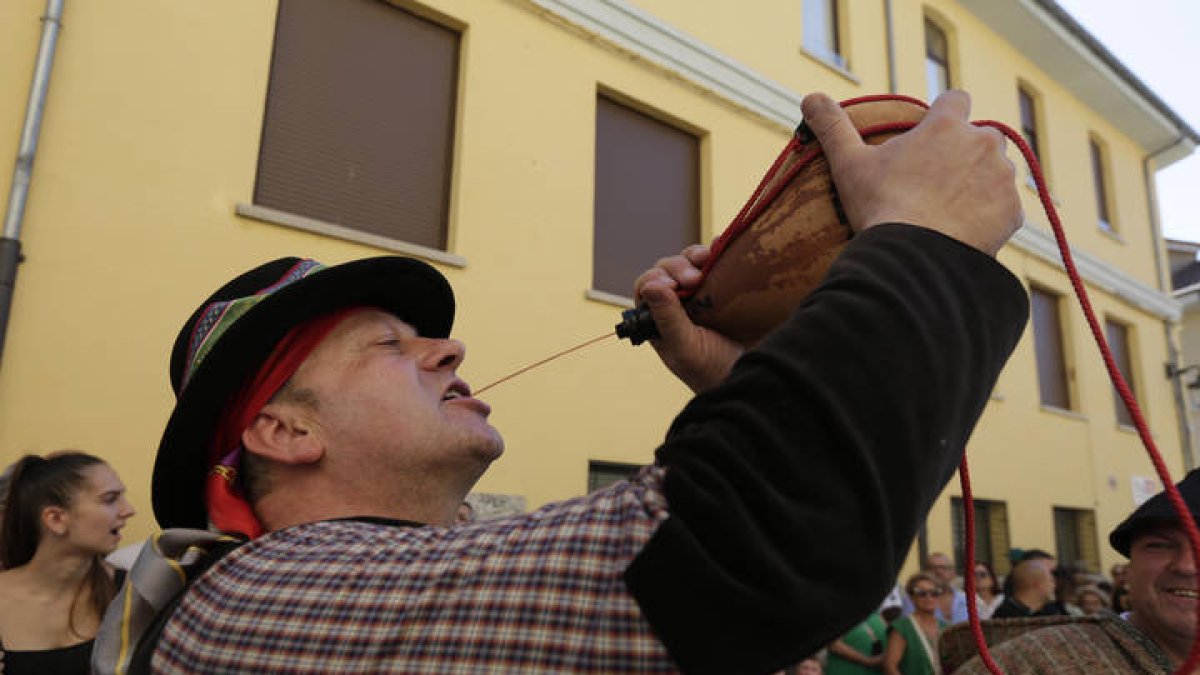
(637, 326)
(804, 133)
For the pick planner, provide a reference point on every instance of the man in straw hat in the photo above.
(1155, 636)
(319, 414)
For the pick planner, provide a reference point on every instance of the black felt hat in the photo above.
(229, 336)
(1156, 511)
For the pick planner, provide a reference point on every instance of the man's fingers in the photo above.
(682, 270)
(697, 254)
(678, 271)
(655, 275)
(664, 305)
(953, 103)
(831, 125)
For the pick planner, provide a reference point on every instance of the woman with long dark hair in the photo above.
(987, 590)
(63, 514)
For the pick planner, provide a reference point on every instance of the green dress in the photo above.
(917, 660)
(860, 638)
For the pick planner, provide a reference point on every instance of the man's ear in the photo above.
(282, 434)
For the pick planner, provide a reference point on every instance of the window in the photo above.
(821, 31)
(937, 60)
(647, 195)
(1075, 539)
(991, 534)
(1051, 356)
(1101, 183)
(1029, 125)
(603, 474)
(359, 125)
(1118, 343)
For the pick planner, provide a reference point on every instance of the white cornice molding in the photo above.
(1096, 78)
(650, 38)
(1070, 63)
(1188, 298)
(1038, 241)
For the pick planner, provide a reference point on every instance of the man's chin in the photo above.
(493, 451)
(1174, 623)
(484, 449)
(491, 445)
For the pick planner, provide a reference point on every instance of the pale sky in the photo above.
(1159, 41)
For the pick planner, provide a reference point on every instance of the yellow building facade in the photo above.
(150, 188)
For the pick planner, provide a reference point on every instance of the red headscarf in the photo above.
(228, 510)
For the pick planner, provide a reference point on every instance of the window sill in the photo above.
(268, 215)
(830, 65)
(1029, 183)
(1063, 412)
(1110, 232)
(609, 298)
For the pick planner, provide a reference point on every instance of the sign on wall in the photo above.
(1144, 487)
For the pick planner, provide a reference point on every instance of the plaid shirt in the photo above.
(538, 593)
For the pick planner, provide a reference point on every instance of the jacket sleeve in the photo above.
(796, 487)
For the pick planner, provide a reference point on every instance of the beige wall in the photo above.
(151, 140)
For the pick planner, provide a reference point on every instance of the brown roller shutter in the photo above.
(1100, 185)
(359, 123)
(937, 60)
(647, 195)
(1029, 126)
(1048, 340)
(1118, 343)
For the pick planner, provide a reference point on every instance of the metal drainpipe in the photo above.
(10, 243)
(890, 38)
(1185, 427)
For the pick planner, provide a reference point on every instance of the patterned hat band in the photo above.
(219, 316)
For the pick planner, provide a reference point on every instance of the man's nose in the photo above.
(444, 354)
(1185, 562)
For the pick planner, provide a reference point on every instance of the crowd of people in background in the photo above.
(902, 637)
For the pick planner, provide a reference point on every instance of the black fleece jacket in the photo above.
(796, 486)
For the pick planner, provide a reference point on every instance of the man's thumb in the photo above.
(669, 315)
(831, 125)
